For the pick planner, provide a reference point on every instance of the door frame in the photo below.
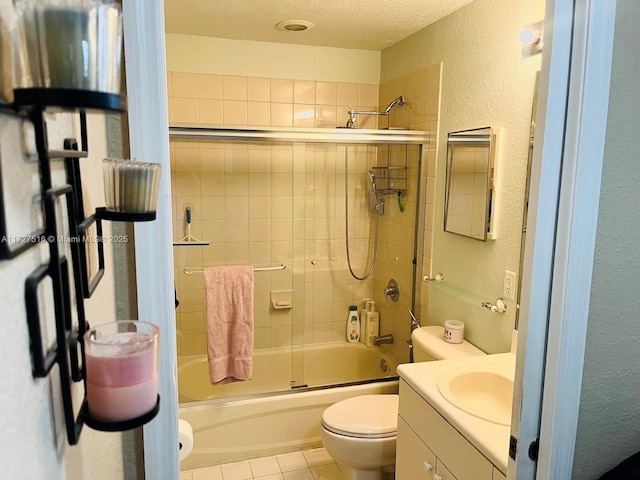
(556, 281)
(568, 158)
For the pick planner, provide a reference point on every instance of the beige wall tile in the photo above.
(348, 94)
(185, 110)
(192, 322)
(186, 184)
(236, 185)
(304, 115)
(368, 95)
(213, 231)
(234, 112)
(212, 184)
(193, 345)
(170, 109)
(234, 87)
(326, 93)
(281, 90)
(184, 85)
(260, 229)
(186, 160)
(210, 112)
(211, 160)
(213, 208)
(191, 300)
(304, 91)
(326, 117)
(281, 114)
(237, 208)
(258, 89)
(210, 86)
(259, 113)
(169, 85)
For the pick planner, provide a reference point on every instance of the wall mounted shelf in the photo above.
(68, 351)
(438, 283)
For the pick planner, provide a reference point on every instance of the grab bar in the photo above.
(189, 271)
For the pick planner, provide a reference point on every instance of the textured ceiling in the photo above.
(359, 24)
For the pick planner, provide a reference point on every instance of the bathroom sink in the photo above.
(485, 392)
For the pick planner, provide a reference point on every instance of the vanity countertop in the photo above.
(491, 439)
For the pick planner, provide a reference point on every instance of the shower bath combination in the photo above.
(300, 367)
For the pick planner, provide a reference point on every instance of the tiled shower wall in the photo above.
(267, 204)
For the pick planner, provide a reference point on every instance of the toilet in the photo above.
(360, 432)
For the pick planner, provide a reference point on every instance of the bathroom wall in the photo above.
(262, 204)
(32, 430)
(608, 427)
(221, 56)
(484, 83)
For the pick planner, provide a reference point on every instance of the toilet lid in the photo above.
(365, 416)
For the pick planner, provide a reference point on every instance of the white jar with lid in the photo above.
(453, 331)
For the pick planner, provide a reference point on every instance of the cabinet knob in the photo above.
(436, 477)
(428, 467)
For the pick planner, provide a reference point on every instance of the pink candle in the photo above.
(122, 370)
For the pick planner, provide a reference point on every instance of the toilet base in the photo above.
(349, 473)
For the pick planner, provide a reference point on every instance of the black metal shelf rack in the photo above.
(68, 351)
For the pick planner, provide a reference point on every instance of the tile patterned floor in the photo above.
(306, 465)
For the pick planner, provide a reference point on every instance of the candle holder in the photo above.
(131, 190)
(69, 44)
(121, 361)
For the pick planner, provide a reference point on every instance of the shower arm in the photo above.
(397, 102)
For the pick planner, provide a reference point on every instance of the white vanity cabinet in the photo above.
(430, 448)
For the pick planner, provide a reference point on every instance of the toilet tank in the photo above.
(429, 344)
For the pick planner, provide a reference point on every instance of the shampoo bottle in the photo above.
(371, 323)
(353, 325)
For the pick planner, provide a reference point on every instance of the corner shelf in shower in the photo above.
(68, 350)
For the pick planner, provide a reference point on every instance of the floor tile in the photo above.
(186, 475)
(209, 473)
(292, 461)
(319, 456)
(264, 466)
(304, 474)
(277, 476)
(237, 471)
(326, 472)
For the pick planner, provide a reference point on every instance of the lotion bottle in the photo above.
(353, 325)
(371, 323)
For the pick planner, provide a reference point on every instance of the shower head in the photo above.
(397, 102)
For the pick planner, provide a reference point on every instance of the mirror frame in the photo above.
(482, 137)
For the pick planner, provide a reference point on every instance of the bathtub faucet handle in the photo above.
(391, 291)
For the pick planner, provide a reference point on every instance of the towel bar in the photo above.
(189, 271)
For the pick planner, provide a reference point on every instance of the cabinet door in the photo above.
(442, 472)
(414, 460)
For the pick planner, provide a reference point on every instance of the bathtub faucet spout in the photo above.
(383, 339)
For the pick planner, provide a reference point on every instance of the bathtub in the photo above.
(254, 425)
(279, 369)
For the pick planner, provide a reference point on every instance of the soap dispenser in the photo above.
(371, 324)
(353, 325)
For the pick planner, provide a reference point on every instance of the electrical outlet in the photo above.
(510, 284)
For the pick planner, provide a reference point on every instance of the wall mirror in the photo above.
(470, 187)
(525, 210)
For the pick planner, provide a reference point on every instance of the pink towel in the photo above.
(229, 307)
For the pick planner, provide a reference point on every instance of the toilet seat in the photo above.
(366, 416)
